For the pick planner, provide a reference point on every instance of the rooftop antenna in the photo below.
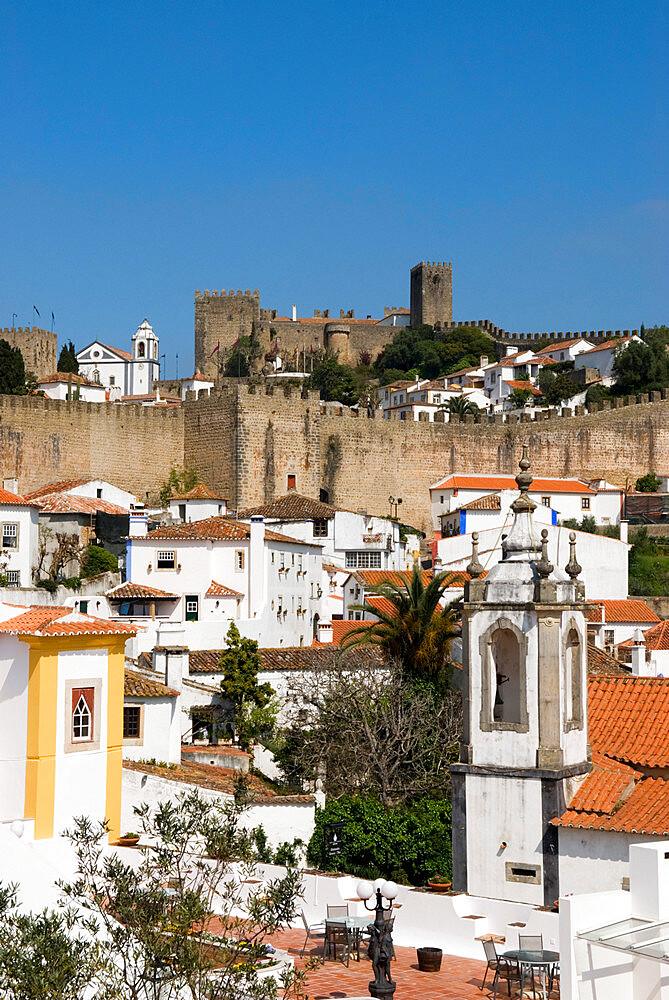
(177, 375)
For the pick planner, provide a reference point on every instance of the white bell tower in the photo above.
(145, 361)
(524, 742)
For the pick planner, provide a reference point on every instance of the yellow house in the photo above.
(61, 718)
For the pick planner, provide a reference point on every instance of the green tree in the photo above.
(241, 360)
(556, 388)
(519, 398)
(179, 481)
(648, 565)
(648, 483)
(416, 630)
(641, 367)
(254, 704)
(67, 359)
(12, 370)
(596, 394)
(96, 560)
(461, 406)
(335, 382)
(432, 352)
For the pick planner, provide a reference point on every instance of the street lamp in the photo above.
(394, 502)
(381, 949)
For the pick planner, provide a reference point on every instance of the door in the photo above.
(192, 607)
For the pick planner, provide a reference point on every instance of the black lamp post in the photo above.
(381, 949)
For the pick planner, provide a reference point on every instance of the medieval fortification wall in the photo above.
(37, 346)
(245, 441)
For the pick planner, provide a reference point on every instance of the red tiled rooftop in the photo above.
(60, 486)
(199, 492)
(509, 483)
(219, 590)
(628, 718)
(129, 591)
(521, 384)
(15, 499)
(215, 529)
(621, 611)
(656, 637)
(67, 503)
(61, 621)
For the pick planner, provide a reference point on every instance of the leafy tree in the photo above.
(648, 483)
(156, 918)
(433, 352)
(254, 704)
(391, 375)
(596, 394)
(364, 358)
(648, 565)
(555, 388)
(67, 359)
(179, 481)
(372, 732)
(416, 630)
(241, 360)
(96, 560)
(50, 955)
(519, 398)
(641, 367)
(336, 382)
(462, 407)
(411, 843)
(12, 370)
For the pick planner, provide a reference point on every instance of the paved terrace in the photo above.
(458, 979)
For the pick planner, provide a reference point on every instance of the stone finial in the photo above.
(522, 502)
(572, 568)
(475, 568)
(544, 567)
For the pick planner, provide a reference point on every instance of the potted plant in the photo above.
(129, 839)
(439, 883)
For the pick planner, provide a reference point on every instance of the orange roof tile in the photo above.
(601, 662)
(628, 718)
(607, 345)
(66, 377)
(646, 811)
(656, 637)
(519, 384)
(218, 590)
(67, 503)
(60, 486)
(621, 611)
(509, 483)
(560, 344)
(62, 622)
(129, 591)
(217, 529)
(492, 501)
(16, 500)
(138, 686)
(199, 492)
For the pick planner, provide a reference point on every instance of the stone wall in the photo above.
(42, 440)
(37, 346)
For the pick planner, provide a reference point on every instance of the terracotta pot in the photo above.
(429, 959)
(439, 886)
(128, 841)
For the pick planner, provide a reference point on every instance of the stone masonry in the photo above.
(37, 346)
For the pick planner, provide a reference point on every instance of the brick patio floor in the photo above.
(458, 979)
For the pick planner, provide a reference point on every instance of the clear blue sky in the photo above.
(317, 151)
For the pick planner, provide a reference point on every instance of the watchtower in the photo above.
(221, 318)
(338, 339)
(431, 293)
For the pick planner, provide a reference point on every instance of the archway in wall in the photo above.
(506, 665)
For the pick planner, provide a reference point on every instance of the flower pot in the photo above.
(429, 959)
(439, 886)
(128, 841)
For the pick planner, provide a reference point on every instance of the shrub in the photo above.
(408, 843)
(97, 560)
(648, 483)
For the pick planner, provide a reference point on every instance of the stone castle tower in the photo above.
(221, 318)
(525, 735)
(431, 293)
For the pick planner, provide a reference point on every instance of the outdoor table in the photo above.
(355, 924)
(541, 960)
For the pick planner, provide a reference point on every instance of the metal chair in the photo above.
(337, 911)
(338, 935)
(500, 966)
(314, 932)
(533, 942)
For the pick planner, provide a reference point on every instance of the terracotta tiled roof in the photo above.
(221, 779)
(341, 629)
(561, 344)
(621, 611)
(601, 662)
(114, 350)
(628, 718)
(509, 483)
(60, 486)
(291, 507)
(656, 637)
(62, 621)
(158, 396)
(198, 377)
(199, 492)
(218, 528)
(66, 377)
(129, 591)
(16, 500)
(203, 661)
(492, 501)
(377, 577)
(66, 503)
(218, 590)
(609, 344)
(520, 384)
(139, 686)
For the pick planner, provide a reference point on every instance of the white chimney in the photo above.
(509, 350)
(639, 655)
(483, 360)
(176, 666)
(624, 531)
(325, 632)
(139, 521)
(294, 313)
(256, 565)
(11, 485)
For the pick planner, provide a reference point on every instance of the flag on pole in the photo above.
(36, 310)
(218, 346)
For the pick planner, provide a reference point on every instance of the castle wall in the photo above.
(37, 346)
(42, 440)
(220, 319)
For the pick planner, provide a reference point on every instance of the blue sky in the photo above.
(317, 151)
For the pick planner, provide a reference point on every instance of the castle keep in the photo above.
(37, 346)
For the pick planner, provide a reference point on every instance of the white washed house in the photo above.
(19, 522)
(127, 374)
(197, 504)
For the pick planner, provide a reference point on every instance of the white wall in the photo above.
(110, 493)
(81, 775)
(13, 725)
(197, 510)
(161, 730)
(22, 558)
(595, 860)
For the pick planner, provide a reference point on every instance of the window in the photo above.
(141, 350)
(320, 527)
(585, 503)
(363, 560)
(13, 578)
(299, 561)
(572, 680)
(98, 491)
(437, 397)
(239, 560)
(291, 482)
(324, 496)
(10, 536)
(131, 722)
(83, 607)
(96, 375)
(165, 560)
(112, 380)
(192, 607)
(82, 715)
(546, 501)
(507, 667)
(441, 498)
(608, 637)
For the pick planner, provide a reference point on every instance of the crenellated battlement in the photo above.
(38, 347)
(506, 337)
(232, 294)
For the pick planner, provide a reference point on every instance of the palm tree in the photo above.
(412, 627)
(461, 406)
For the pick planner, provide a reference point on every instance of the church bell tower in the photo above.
(524, 743)
(145, 361)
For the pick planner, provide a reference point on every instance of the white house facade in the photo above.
(19, 523)
(123, 373)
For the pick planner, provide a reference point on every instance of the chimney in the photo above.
(256, 565)
(509, 350)
(294, 313)
(139, 521)
(483, 360)
(325, 632)
(639, 655)
(11, 485)
(176, 666)
(624, 531)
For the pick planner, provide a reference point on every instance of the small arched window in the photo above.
(96, 375)
(506, 664)
(141, 349)
(82, 715)
(572, 678)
